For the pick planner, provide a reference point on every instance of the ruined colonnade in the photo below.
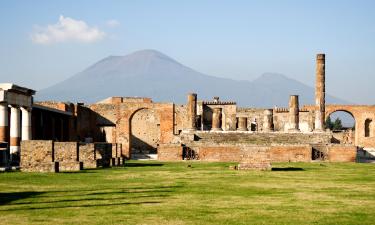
(15, 115)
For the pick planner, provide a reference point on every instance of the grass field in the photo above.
(205, 193)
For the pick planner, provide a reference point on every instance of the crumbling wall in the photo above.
(342, 153)
(291, 153)
(37, 156)
(254, 118)
(66, 154)
(49, 156)
(170, 152)
(281, 120)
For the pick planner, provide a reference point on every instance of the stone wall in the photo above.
(119, 115)
(342, 153)
(49, 156)
(66, 154)
(170, 152)
(37, 156)
(291, 153)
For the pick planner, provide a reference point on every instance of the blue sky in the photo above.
(234, 39)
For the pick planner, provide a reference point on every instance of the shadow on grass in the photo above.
(82, 206)
(97, 198)
(6, 198)
(287, 169)
(142, 164)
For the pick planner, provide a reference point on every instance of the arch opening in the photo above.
(368, 130)
(342, 124)
(144, 134)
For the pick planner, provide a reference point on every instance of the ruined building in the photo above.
(212, 130)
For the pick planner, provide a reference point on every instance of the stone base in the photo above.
(120, 161)
(40, 167)
(70, 166)
(255, 166)
(90, 164)
(242, 129)
(293, 130)
(216, 129)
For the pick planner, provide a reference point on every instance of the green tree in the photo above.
(337, 125)
(329, 123)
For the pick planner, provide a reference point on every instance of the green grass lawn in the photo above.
(206, 193)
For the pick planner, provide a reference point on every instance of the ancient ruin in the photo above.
(60, 136)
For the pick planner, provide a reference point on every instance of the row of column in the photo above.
(17, 126)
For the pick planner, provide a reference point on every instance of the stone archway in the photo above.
(347, 134)
(144, 133)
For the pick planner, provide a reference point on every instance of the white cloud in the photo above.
(66, 29)
(112, 23)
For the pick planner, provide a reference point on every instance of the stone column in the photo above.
(242, 123)
(3, 121)
(26, 123)
(268, 120)
(293, 113)
(320, 92)
(216, 119)
(192, 111)
(15, 130)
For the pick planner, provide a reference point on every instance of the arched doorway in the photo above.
(342, 124)
(144, 134)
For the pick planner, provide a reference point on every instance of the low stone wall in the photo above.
(49, 156)
(170, 152)
(37, 156)
(342, 153)
(66, 154)
(256, 159)
(291, 153)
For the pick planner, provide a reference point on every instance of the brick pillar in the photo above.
(268, 120)
(293, 113)
(320, 92)
(216, 119)
(3, 121)
(192, 111)
(242, 124)
(26, 124)
(15, 130)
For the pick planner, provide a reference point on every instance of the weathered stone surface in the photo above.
(170, 152)
(37, 156)
(291, 153)
(87, 155)
(342, 153)
(255, 158)
(66, 151)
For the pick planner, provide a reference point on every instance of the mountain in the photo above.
(149, 73)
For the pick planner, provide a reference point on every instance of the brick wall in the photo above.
(342, 153)
(291, 153)
(170, 152)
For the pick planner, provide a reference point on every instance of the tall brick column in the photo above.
(268, 120)
(26, 123)
(320, 92)
(3, 121)
(216, 119)
(242, 123)
(15, 130)
(192, 111)
(293, 113)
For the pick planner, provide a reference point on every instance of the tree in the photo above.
(337, 125)
(329, 123)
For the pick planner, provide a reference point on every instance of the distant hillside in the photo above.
(150, 73)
